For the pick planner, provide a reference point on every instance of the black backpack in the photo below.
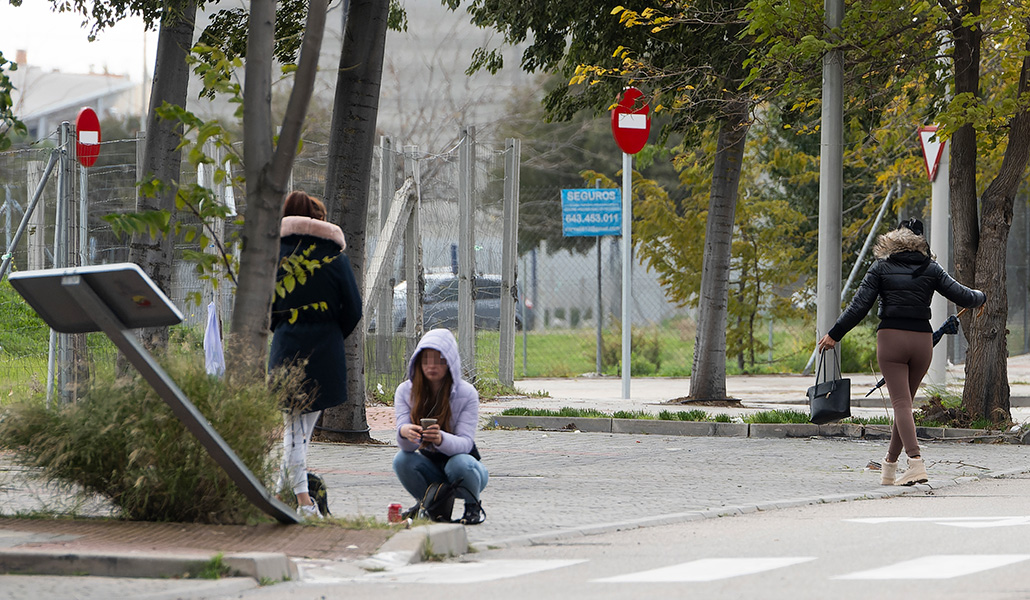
(438, 501)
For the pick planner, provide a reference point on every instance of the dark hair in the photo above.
(914, 225)
(299, 204)
(425, 403)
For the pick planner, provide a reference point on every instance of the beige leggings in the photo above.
(904, 357)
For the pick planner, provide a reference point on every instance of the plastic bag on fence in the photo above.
(214, 358)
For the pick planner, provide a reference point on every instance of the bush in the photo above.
(121, 441)
(646, 358)
(858, 351)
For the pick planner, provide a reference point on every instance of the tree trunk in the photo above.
(161, 156)
(986, 393)
(351, 139)
(267, 173)
(963, 153)
(708, 378)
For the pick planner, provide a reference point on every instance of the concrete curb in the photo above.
(415, 545)
(725, 511)
(754, 430)
(406, 547)
(269, 566)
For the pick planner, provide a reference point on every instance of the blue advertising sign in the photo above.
(592, 211)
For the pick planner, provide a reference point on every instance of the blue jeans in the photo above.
(416, 472)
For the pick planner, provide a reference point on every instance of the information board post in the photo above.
(599, 318)
(592, 212)
(631, 125)
(114, 299)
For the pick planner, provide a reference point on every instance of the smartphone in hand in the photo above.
(427, 422)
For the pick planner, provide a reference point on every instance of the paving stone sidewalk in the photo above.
(554, 482)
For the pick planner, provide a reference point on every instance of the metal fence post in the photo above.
(509, 254)
(413, 255)
(384, 308)
(467, 252)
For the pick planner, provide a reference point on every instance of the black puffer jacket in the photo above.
(317, 335)
(904, 277)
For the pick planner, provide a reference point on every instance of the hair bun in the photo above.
(913, 225)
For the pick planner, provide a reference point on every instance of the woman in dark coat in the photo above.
(904, 278)
(316, 333)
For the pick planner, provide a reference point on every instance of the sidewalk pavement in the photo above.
(543, 486)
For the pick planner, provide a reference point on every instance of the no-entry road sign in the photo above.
(87, 137)
(631, 123)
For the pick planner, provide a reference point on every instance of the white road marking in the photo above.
(707, 569)
(968, 522)
(942, 566)
(457, 573)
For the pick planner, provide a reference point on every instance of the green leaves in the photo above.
(155, 223)
(294, 270)
(8, 121)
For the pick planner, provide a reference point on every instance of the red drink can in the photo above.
(393, 513)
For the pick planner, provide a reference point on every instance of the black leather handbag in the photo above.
(829, 400)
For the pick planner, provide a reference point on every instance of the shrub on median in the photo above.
(122, 442)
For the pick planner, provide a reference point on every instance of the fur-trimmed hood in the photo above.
(900, 240)
(295, 225)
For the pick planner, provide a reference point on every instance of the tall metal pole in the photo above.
(858, 262)
(627, 269)
(940, 240)
(83, 217)
(600, 348)
(831, 176)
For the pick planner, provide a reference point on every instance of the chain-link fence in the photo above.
(568, 309)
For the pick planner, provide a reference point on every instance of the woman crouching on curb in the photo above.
(904, 277)
(444, 451)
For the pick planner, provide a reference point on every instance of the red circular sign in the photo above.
(87, 137)
(631, 123)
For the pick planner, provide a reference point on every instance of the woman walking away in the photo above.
(904, 277)
(309, 325)
(444, 451)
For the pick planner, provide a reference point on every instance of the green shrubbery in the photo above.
(646, 351)
(858, 351)
(122, 442)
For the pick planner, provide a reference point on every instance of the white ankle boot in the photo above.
(915, 473)
(888, 471)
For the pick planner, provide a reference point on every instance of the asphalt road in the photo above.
(963, 542)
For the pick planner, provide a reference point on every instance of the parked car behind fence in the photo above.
(440, 304)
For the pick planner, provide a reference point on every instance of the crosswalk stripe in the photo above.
(942, 566)
(707, 569)
(968, 522)
(466, 572)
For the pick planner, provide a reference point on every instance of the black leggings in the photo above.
(904, 357)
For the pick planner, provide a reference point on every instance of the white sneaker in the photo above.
(309, 512)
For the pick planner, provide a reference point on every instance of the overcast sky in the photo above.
(58, 41)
